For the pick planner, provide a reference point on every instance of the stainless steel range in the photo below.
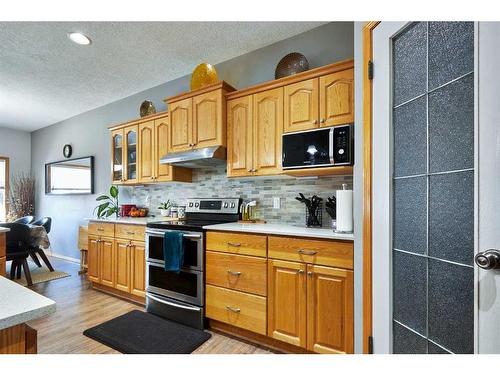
(181, 296)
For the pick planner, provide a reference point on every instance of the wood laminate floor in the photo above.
(79, 307)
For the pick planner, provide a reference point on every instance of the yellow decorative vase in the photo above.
(203, 75)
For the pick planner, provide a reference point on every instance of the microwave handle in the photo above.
(330, 143)
(171, 303)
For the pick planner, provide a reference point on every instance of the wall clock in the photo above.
(67, 151)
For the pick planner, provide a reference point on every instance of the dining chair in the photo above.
(36, 251)
(24, 220)
(17, 245)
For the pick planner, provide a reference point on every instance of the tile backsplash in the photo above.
(213, 183)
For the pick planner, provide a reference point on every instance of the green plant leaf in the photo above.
(102, 197)
(101, 209)
(110, 212)
(113, 191)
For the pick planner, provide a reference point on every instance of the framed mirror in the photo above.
(70, 177)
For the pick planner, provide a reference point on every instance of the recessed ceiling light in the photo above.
(79, 38)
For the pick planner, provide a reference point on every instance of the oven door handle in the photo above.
(331, 139)
(171, 303)
(159, 233)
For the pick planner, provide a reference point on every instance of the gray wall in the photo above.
(16, 145)
(88, 133)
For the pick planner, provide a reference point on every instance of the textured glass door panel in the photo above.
(433, 188)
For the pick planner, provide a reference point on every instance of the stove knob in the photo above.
(197, 205)
(190, 204)
(225, 205)
(233, 205)
(341, 151)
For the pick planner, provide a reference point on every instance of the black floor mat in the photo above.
(137, 332)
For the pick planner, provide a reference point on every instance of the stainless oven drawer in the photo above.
(186, 286)
(176, 311)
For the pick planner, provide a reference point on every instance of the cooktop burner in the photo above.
(184, 224)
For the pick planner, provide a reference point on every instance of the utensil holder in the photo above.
(314, 218)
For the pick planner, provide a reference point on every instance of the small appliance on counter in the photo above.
(248, 213)
(344, 210)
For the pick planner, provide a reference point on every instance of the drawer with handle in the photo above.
(130, 232)
(238, 272)
(237, 243)
(98, 228)
(239, 309)
(323, 252)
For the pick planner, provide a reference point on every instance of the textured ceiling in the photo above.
(46, 78)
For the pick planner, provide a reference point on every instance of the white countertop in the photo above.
(3, 230)
(285, 230)
(20, 305)
(127, 220)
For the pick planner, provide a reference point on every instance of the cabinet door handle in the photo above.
(315, 122)
(250, 170)
(152, 178)
(235, 244)
(100, 229)
(254, 170)
(309, 273)
(322, 120)
(307, 252)
(235, 273)
(233, 309)
(131, 233)
(300, 271)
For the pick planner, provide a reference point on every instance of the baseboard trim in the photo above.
(60, 256)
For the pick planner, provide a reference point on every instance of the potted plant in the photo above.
(164, 208)
(108, 205)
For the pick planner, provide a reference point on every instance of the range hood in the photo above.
(200, 158)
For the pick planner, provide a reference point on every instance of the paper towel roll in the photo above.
(344, 211)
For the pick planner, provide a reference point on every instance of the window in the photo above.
(4, 187)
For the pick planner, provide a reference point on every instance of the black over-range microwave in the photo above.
(324, 147)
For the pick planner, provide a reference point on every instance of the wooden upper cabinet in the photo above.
(301, 110)
(138, 269)
(208, 120)
(130, 135)
(336, 96)
(146, 159)
(163, 172)
(267, 131)
(240, 137)
(122, 265)
(181, 125)
(117, 156)
(330, 310)
(287, 302)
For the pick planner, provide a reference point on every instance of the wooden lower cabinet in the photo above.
(93, 259)
(106, 262)
(287, 296)
(330, 325)
(2, 266)
(138, 269)
(19, 339)
(239, 309)
(308, 290)
(311, 306)
(118, 265)
(122, 265)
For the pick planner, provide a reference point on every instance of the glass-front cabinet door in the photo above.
(131, 154)
(117, 156)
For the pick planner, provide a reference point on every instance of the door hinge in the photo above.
(370, 70)
(370, 344)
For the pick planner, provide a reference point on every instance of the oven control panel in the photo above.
(213, 205)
